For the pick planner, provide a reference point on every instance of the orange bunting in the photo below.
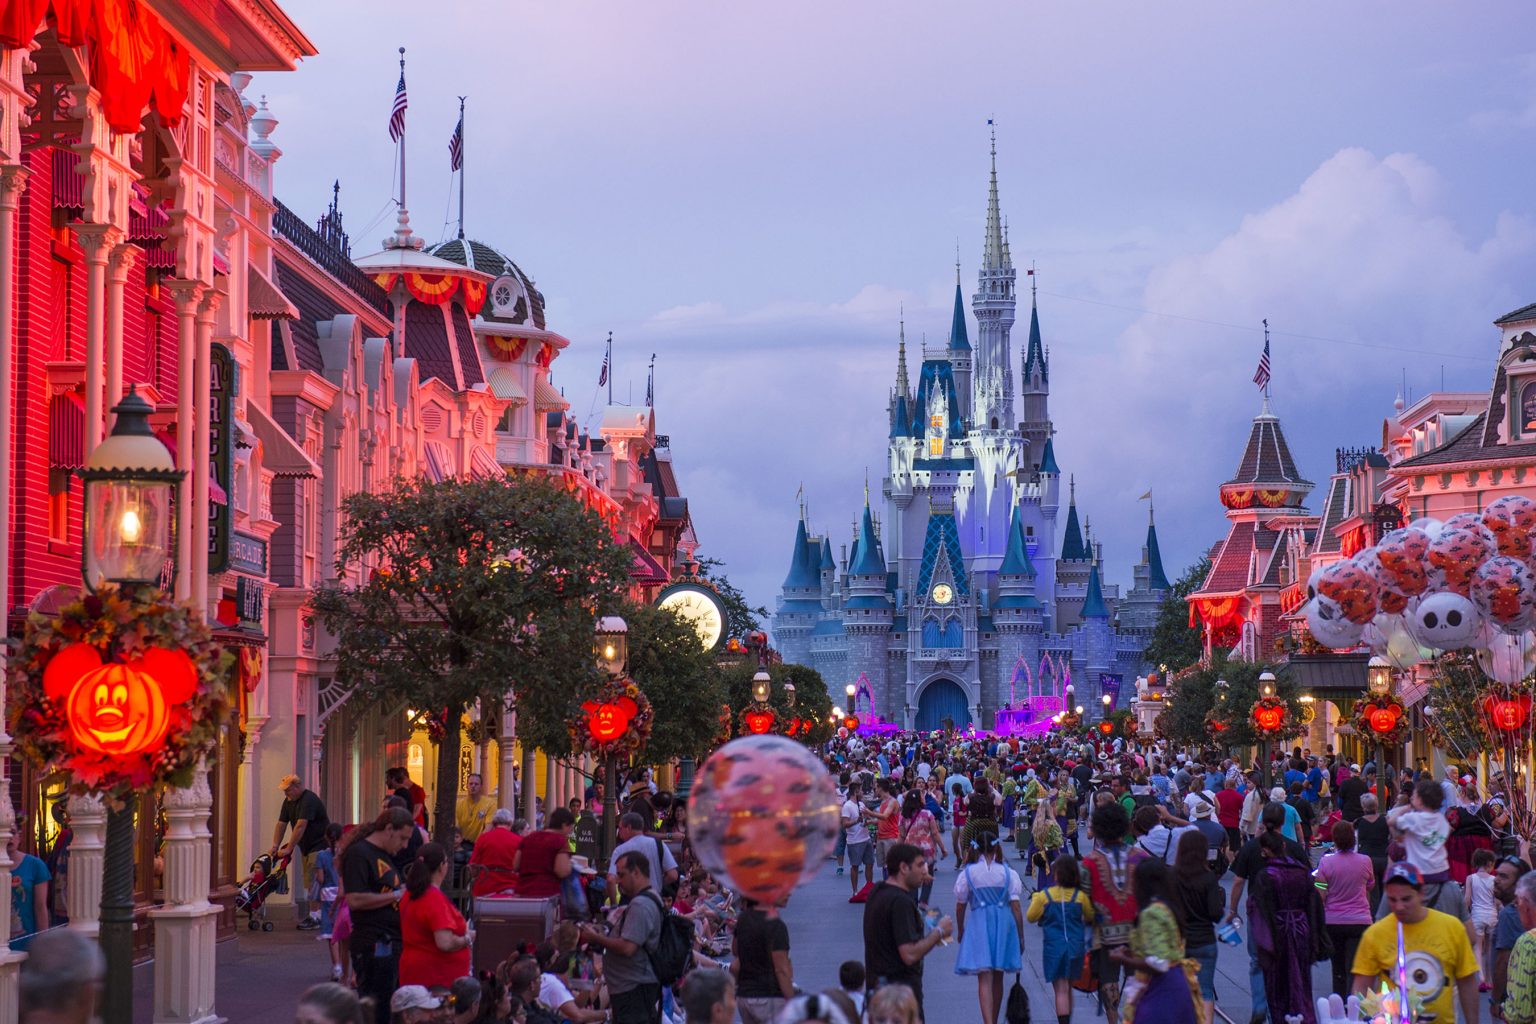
(472, 293)
(506, 350)
(433, 289)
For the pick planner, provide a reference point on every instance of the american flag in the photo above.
(456, 146)
(1261, 375)
(602, 378)
(397, 112)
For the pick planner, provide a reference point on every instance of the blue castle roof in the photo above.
(1156, 578)
(958, 341)
(1093, 604)
(937, 374)
(1048, 458)
(943, 533)
(826, 556)
(870, 560)
(1072, 547)
(1035, 356)
(901, 418)
(802, 566)
(1016, 560)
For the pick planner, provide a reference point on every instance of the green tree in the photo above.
(680, 680)
(1195, 694)
(812, 701)
(741, 618)
(1175, 642)
(466, 589)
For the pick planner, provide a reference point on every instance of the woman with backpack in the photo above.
(1063, 911)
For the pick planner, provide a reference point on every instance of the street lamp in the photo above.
(128, 478)
(610, 647)
(1378, 683)
(126, 540)
(789, 692)
(1266, 689)
(761, 684)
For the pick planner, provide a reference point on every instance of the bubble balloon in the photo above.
(1352, 588)
(762, 816)
(1393, 604)
(1397, 562)
(1464, 521)
(1446, 621)
(1455, 555)
(1511, 519)
(1328, 626)
(1504, 590)
(1504, 658)
(1427, 525)
(1403, 651)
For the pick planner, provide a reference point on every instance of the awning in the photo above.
(279, 452)
(643, 568)
(216, 494)
(546, 397)
(66, 432)
(503, 384)
(267, 301)
(483, 463)
(220, 263)
(68, 182)
(440, 465)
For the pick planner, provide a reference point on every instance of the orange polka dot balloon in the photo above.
(762, 816)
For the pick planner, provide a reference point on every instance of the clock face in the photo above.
(943, 594)
(701, 610)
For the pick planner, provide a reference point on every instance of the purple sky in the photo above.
(751, 191)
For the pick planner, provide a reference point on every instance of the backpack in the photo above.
(673, 953)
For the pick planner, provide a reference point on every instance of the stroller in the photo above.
(267, 876)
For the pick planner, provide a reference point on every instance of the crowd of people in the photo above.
(1118, 870)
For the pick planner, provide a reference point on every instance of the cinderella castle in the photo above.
(965, 599)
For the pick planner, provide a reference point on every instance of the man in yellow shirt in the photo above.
(474, 810)
(1436, 950)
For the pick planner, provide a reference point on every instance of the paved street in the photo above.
(260, 975)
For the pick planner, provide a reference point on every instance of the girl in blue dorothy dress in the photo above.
(989, 922)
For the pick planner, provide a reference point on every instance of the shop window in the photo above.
(58, 505)
(1528, 409)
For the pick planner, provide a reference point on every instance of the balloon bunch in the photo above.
(1466, 583)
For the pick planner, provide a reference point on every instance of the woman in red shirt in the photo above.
(435, 941)
(544, 858)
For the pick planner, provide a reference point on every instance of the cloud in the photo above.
(1522, 115)
(760, 401)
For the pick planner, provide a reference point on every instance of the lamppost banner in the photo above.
(1109, 683)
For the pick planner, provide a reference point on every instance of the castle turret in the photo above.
(1139, 608)
(1098, 644)
(1036, 392)
(867, 612)
(961, 358)
(994, 307)
(800, 600)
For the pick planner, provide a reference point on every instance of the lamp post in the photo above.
(1378, 683)
(126, 540)
(853, 698)
(611, 648)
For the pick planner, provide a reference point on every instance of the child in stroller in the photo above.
(265, 878)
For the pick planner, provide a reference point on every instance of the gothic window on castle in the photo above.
(1528, 409)
(931, 634)
(954, 634)
(936, 447)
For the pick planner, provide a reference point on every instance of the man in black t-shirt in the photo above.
(303, 811)
(894, 943)
(765, 979)
(1350, 791)
(373, 889)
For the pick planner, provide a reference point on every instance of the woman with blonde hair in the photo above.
(894, 1004)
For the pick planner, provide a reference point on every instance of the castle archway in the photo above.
(942, 703)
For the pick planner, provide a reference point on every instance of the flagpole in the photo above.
(1271, 361)
(402, 137)
(610, 367)
(461, 167)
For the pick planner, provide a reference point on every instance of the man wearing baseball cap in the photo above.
(1438, 953)
(412, 1004)
(303, 810)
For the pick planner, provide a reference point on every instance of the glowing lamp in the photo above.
(119, 708)
(1267, 684)
(789, 693)
(1269, 718)
(758, 722)
(1078, 710)
(611, 645)
(609, 720)
(1508, 714)
(128, 478)
(1378, 676)
(761, 682)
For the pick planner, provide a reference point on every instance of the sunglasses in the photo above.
(1515, 862)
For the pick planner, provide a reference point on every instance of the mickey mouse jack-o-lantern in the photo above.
(119, 708)
(607, 720)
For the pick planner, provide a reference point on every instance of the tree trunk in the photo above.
(447, 797)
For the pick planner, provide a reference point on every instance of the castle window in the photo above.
(936, 423)
(936, 446)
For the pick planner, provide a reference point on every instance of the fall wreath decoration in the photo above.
(1381, 720)
(615, 723)
(120, 691)
(1270, 716)
(1215, 725)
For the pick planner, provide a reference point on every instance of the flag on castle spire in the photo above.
(397, 112)
(1261, 375)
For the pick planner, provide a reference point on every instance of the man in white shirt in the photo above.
(861, 852)
(632, 839)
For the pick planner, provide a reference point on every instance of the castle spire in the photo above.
(902, 387)
(1034, 355)
(1093, 603)
(959, 341)
(1072, 546)
(1157, 579)
(994, 256)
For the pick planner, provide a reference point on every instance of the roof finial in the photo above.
(1072, 488)
(993, 254)
(957, 262)
(866, 487)
(1031, 283)
(902, 387)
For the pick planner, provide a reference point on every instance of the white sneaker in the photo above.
(335, 972)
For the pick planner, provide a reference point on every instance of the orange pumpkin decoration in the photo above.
(1269, 717)
(607, 721)
(1382, 720)
(1508, 714)
(119, 709)
(851, 723)
(758, 722)
(1106, 727)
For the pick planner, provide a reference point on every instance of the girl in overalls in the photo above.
(1062, 911)
(988, 921)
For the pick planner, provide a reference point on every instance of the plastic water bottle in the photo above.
(1229, 934)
